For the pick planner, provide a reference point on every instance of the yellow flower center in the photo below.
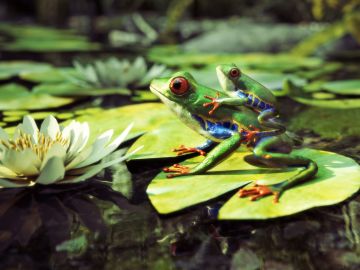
(42, 146)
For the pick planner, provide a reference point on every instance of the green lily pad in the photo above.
(146, 117)
(336, 180)
(344, 87)
(144, 96)
(347, 103)
(70, 89)
(51, 75)
(328, 123)
(271, 62)
(10, 69)
(40, 39)
(17, 97)
(160, 142)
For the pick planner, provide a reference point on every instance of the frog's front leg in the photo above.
(201, 149)
(264, 152)
(216, 102)
(217, 155)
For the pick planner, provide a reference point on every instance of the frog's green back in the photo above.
(230, 81)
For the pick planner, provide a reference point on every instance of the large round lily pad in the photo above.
(338, 179)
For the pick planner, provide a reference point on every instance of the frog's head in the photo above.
(179, 92)
(228, 75)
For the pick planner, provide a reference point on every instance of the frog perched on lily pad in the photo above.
(229, 127)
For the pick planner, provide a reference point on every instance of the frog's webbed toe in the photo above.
(214, 102)
(182, 149)
(176, 170)
(259, 191)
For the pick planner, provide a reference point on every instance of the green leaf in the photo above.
(146, 117)
(9, 69)
(262, 61)
(17, 97)
(51, 75)
(347, 103)
(160, 142)
(336, 180)
(345, 87)
(43, 39)
(328, 123)
(70, 89)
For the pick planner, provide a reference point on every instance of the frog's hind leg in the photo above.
(265, 151)
(268, 118)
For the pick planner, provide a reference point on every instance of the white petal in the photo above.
(50, 127)
(82, 138)
(56, 150)
(3, 135)
(52, 172)
(97, 148)
(100, 153)
(24, 162)
(7, 173)
(29, 127)
(83, 155)
(95, 169)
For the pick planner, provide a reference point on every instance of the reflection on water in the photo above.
(90, 226)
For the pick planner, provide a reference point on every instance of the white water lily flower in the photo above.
(54, 154)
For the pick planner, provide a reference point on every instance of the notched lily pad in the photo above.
(337, 180)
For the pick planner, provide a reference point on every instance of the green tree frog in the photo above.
(245, 91)
(229, 127)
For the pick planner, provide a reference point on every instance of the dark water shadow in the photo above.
(50, 211)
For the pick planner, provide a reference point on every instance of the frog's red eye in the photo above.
(179, 86)
(234, 72)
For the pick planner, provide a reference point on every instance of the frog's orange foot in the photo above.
(250, 135)
(182, 149)
(258, 192)
(213, 103)
(177, 169)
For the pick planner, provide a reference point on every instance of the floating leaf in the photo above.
(344, 87)
(40, 39)
(145, 117)
(159, 143)
(271, 62)
(9, 69)
(17, 97)
(70, 89)
(336, 180)
(347, 103)
(50, 75)
(329, 123)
